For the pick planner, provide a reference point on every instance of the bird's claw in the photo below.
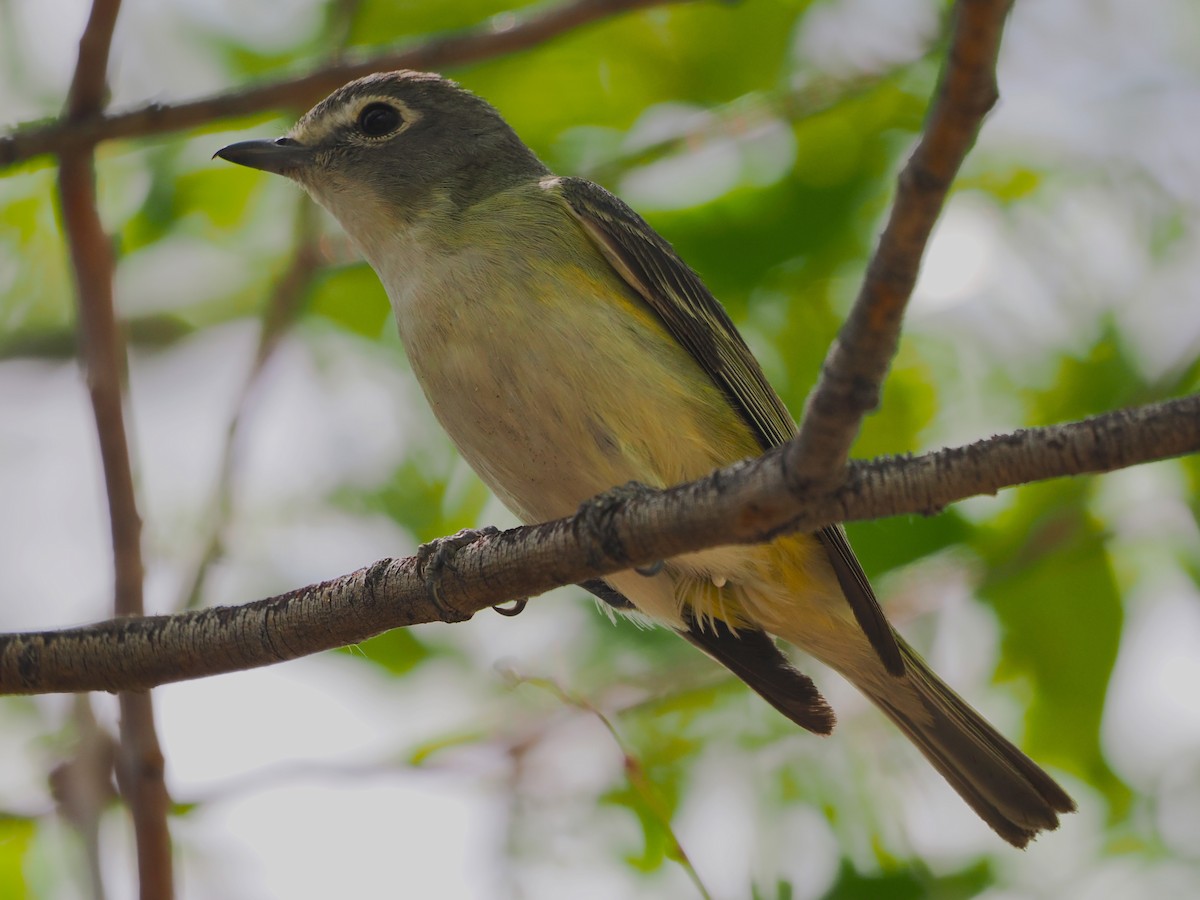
(518, 607)
(436, 556)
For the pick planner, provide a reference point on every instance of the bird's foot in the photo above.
(437, 556)
(596, 515)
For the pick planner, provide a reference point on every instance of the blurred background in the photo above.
(279, 439)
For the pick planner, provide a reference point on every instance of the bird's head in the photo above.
(395, 144)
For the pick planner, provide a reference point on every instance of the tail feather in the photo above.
(1005, 787)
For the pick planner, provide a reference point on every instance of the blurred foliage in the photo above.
(368, 313)
(790, 170)
(910, 885)
(1050, 581)
(16, 836)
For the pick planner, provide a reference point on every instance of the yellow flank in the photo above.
(602, 286)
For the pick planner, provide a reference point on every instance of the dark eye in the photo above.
(378, 119)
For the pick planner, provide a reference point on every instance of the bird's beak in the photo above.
(281, 157)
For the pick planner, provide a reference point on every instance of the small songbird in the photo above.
(567, 349)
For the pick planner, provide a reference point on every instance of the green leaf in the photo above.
(222, 195)
(352, 297)
(888, 544)
(908, 406)
(914, 883)
(1102, 379)
(783, 891)
(419, 496)
(16, 836)
(397, 651)
(1008, 184)
(655, 838)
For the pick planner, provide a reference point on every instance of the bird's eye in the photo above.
(378, 119)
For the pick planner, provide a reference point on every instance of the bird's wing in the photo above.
(678, 296)
(694, 317)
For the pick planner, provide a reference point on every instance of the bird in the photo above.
(566, 349)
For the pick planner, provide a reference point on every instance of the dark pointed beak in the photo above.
(281, 157)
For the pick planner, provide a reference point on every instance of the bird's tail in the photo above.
(1005, 787)
(831, 613)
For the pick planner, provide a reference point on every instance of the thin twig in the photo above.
(858, 360)
(504, 34)
(140, 760)
(745, 503)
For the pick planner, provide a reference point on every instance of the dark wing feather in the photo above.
(695, 318)
(861, 597)
(678, 296)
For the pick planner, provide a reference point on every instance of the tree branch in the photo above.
(744, 503)
(496, 38)
(140, 760)
(857, 362)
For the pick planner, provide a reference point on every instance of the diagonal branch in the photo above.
(502, 35)
(858, 360)
(744, 503)
(140, 760)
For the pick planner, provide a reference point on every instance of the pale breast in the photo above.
(550, 375)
